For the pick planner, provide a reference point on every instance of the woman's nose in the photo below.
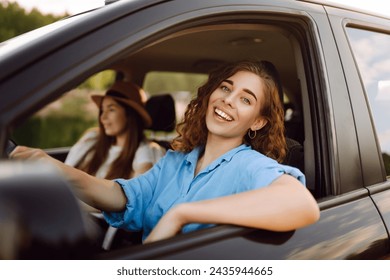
(229, 99)
(103, 116)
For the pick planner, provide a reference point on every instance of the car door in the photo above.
(362, 40)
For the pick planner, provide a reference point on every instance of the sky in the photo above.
(60, 7)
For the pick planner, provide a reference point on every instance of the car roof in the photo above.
(344, 7)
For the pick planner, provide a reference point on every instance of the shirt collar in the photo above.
(192, 157)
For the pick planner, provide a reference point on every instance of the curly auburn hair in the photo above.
(269, 140)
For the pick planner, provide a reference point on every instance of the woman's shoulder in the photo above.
(257, 162)
(82, 146)
(174, 157)
(148, 151)
(253, 161)
(147, 146)
(253, 156)
(90, 135)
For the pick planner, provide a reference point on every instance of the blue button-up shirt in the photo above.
(171, 181)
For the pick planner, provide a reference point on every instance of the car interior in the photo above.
(197, 50)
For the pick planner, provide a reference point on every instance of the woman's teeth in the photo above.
(223, 115)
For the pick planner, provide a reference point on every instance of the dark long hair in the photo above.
(122, 167)
(269, 140)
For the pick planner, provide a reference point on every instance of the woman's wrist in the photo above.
(182, 214)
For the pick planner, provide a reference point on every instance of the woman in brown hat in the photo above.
(118, 148)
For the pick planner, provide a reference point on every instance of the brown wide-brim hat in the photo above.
(129, 94)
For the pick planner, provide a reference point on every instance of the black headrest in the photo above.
(162, 110)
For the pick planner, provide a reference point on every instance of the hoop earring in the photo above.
(250, 135)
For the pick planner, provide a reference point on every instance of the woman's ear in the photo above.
(259, 123)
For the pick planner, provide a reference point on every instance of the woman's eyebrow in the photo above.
(245, 89)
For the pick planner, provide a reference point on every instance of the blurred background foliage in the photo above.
(61, 123)
(14, 20)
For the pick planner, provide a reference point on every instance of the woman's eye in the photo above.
(225, 89)
(246, 100)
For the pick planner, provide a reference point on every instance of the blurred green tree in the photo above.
(15, 20)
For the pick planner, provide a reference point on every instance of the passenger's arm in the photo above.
(99, 193)
(282, 206)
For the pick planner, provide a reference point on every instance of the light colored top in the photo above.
(171, 181)
(147, 151)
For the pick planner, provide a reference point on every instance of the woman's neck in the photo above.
(120, 140)
(215, 147)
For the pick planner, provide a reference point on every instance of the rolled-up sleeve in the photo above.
(264, 174)
(139, 193)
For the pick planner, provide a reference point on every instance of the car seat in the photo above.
(295, 151)
(162, 110)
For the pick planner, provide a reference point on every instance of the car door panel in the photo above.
(351, 230)
(380, 194)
